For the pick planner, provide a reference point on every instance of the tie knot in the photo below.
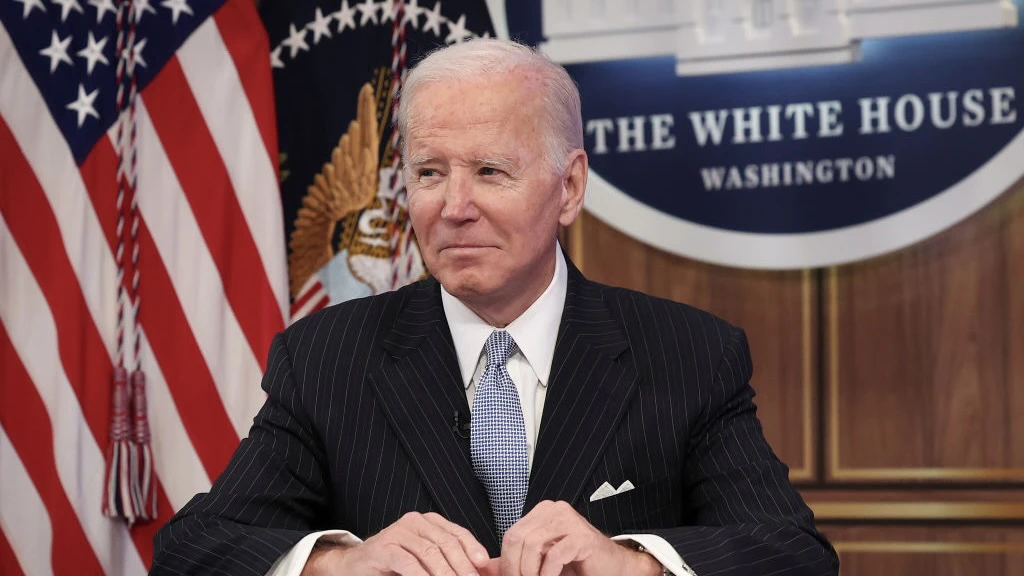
(499, 347)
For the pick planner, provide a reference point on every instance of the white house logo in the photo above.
(789, 134)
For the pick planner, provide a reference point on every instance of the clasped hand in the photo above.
(552, 540)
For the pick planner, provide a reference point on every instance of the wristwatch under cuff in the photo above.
(664, 571)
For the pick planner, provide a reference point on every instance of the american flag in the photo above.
(200, 149)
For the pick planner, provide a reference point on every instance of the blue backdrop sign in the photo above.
(772, 134)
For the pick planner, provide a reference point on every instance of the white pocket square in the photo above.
(606, 490)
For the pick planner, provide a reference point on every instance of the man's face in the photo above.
(484, 201)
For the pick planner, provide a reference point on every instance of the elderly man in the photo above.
(506, 416)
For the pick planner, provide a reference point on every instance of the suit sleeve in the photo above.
(272, 493)
(744, 516)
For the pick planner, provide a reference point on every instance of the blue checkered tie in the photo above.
(498, 435)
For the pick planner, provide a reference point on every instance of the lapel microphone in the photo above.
(460, 426)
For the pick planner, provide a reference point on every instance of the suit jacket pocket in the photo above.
(638, 509)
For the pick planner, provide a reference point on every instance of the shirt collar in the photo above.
(534, 331)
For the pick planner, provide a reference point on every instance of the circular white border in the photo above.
(812, 249)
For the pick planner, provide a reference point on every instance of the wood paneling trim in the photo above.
(912, 504)
(888, 547)
(937, 551)
(923, 511)
(836, 471)
(806, 472)
(913, 494)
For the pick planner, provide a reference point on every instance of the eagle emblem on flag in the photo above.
(352, 216)
(338, 69)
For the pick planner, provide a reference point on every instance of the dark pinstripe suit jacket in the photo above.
(357, 430)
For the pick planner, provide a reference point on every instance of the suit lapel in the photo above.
(588, 393)
(420, 388)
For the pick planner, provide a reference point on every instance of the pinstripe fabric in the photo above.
(357, 431)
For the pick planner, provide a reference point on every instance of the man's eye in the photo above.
(489, 171)
(427, 173)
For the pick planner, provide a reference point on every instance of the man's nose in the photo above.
(459, 201)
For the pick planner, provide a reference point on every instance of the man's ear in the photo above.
(574, 185)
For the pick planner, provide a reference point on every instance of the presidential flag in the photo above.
(140, 227)
(338, 68)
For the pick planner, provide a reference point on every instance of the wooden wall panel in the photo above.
(935, 551)
(778, 310)
(921, 444)
(925, 351)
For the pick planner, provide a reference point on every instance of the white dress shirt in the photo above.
(534, 331)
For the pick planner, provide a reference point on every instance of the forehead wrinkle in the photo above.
(473, 144)
(505, 162)
(443, 105)
(418, 159)
(498, 128)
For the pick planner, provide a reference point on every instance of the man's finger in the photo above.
(564, 552)
(473, 549)
(454, 557)
(512, 543)
(402, 562)
(535, 547)
(491, 568)
(512, 550)
(430, 555)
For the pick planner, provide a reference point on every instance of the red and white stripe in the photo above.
(212, 254)
(312, 297)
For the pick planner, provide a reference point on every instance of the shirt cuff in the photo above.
(292, 563)
(661, 550)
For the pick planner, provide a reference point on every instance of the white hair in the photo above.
(473, 59)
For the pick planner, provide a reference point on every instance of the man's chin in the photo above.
(467, 287)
